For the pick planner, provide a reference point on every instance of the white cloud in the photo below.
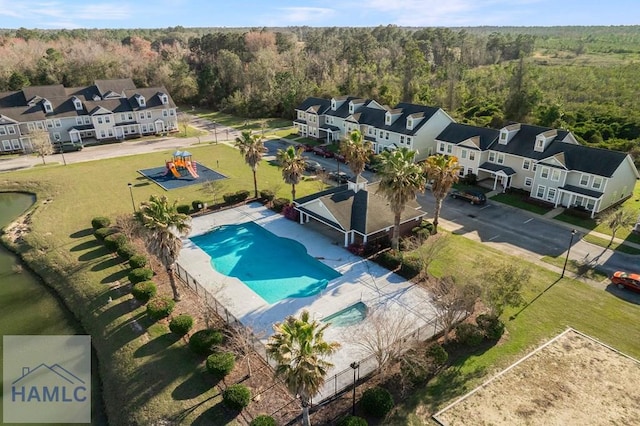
(58, 14)
(305, 15)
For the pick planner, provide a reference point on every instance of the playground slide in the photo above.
(174, 171)
(191, 171)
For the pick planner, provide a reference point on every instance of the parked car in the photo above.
(340, 158)
(474, 197)
(321, 150)
(307, 147)
(313, 166)
(626, 280)
(340, 177)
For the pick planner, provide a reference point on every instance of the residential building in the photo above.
(405, 125)
(548, 163)
(106, 110)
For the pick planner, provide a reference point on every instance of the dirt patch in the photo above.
(572, 380)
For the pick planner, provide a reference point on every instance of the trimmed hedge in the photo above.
(377, 402)
(102, 233)
(469, 334)
(183, 209)
(100, 222)
(236, 397)
(202, 342)
(114, 241)
(220, 364)
(181, 324)
(126, 251)
(410, 266)
(138, 261)
(236, 197)
(353, 421)
(144, 290)
(388, 259)
(160, 307)
(491, 326)
(263, 420)
(196, 203)
(140, 274)
(266, 195)
(279, 204)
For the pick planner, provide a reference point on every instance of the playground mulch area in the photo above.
(167, 181)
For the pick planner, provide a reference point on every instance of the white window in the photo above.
(544, 173)
(130, 116)
(370, 130)
(39, 125)
(3, 131)
(99, 120)
(591, 204)
(387, 119)
(15, 143)
(386, 135)
(540, 191)
(461, 172)
(584, 180)
(539, 144)
(12, 130)
(141, 115)
(165, 113)
(50, 124)
(102, 134)
(463, 154)
(107, 119)
(56, 136)
(503, 136)
(47, 107)
(79, 121)
(535, 167)
(472, 155)
(555, 175)
(77, 104)
(551, 195)
(408, 140)
(441, 147)
(57, 123)
(492, 157)
(526, 164)
(173, 112)
(30, 127)
(449, 148)
(528, 181)
(402, 139)
(597, 182)
(110, 132)
(6, 145)
(381, 133)
(87, 120)
(301, 115)
(500, 158)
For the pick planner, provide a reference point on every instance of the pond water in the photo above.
(30, 307)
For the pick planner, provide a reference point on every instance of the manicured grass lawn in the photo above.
(554, 306)
(191, 132)
(603, 242)
(575, 267)
(242, 123)
(285, 133)
(516, 200)
(148, 377)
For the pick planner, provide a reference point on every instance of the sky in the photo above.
(70, 14)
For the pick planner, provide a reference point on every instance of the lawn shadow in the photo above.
(624, 294)
(116, 276)
(107, 263)
(217, 414)
(514, 316)
(82, 233)
(156, 345)
(93, 254)
(89, 244)
(450, 384)
(195, 385)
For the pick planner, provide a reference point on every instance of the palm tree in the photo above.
(356, 151)
(400, 180)
(298, 347)
(618, 219)
(251, 146)
(292, 163)
(442, 170)
(164, 226)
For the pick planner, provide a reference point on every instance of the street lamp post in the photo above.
(133, 203)
(215, 131)
(355, 366)
(573, 232)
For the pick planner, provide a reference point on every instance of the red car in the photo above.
(626, 280)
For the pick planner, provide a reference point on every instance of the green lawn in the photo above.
(242, 123)
(516, 200)
(554, 306)
(576, 267)
(147, 377)
(191, 132)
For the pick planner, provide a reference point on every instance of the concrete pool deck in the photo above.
(385, 293)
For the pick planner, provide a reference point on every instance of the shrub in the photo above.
(183, 208)
(263, 420)
(126, 251)
(491, 326)
(267, 195)
(388, 259)
(470, 179)
(235, 197)
(376, 246)
(469, 334)
(140, 274)
(436, 354)
(353, 421)
(197, 205)
(410, 266)
(181, 324)
(220, 364)
(143, 291)
(100, 222)
(203, 341)
(236, 397)
(356, 248)
(242, 195)
(376, 402)
(102, 233)
(137, 261)
(279, 203)
(160, 307)
(114, 241)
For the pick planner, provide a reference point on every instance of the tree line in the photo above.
(579, 78)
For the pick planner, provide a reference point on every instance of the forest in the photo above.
(580, 78)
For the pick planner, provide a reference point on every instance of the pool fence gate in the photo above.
(339, 382)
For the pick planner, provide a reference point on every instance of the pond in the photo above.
(30, 307)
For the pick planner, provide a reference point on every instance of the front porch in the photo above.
(501, 175)
(576, 197)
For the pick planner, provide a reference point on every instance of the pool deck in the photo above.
(389, 297)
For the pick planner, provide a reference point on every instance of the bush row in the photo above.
(487, 327)
(236, 197)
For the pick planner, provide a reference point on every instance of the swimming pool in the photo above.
(349, 316)
(275, 268)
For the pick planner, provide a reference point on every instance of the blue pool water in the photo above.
(273, 267)
(348, 316)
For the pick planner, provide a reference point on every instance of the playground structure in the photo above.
(181, 164)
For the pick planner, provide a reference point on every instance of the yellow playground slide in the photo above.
(191, 170)
(174, 171)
